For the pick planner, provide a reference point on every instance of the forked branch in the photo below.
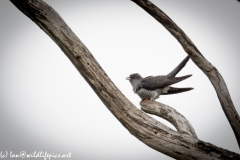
(170, 114)
(151, 132)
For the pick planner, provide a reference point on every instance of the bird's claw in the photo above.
(145, 100)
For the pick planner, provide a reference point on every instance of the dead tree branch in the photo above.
(151, 132)
(210, 71)
(182, 125)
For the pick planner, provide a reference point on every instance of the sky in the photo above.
(47, 106)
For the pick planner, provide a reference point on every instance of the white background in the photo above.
(47, 106)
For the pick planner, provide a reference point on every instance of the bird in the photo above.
(151, 87)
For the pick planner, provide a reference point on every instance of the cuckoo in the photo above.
(151, 87)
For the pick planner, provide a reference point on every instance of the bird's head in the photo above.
(135, 80)
(134, 77)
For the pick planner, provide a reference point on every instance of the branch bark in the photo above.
(210, 71)
(182, 125)
(151, 132)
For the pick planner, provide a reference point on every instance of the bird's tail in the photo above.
(173, 80)
(173, 90)
(178, 68)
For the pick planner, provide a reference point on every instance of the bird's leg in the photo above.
(145, 100)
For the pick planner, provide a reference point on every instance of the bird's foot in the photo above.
(145, 100)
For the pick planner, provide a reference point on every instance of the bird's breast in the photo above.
(147, 94)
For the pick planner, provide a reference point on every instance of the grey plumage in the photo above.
(153, 86)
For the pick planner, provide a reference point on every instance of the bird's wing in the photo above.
(178, 68)
(152, 83)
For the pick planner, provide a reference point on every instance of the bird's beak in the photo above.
(128, 78)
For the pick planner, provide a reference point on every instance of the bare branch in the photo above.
(210, 71)
(182, 125)
(151, 132)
